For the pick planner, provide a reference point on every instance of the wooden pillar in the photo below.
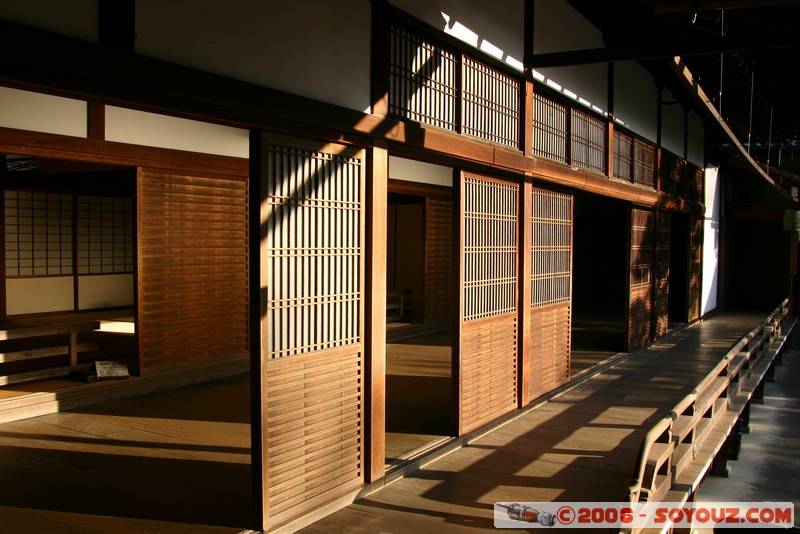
(257, 302)
(610, 123)
(526, 137)
(380, 58)
(719, 465)
(375, 311)
(525, 231)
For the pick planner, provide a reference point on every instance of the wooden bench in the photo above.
(15, 341)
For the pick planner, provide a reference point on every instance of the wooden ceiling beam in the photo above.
(660, 50)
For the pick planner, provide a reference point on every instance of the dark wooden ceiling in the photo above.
(753, 44)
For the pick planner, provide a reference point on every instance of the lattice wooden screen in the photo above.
(662, 273)
(695, 265)
(489, 329)
(550, 128)
(422, 80)
(549, 340)
(588, 141)
(313, 327)
(642, 276)
(491, 104)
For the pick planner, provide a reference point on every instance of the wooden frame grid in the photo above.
(550, 128)
(491, 104)
(587, 141)
(641, 278)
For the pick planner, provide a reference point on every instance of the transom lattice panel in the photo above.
(642, 266)
(623, 156)
(588, 141)
(490, 248)
(314, 237)
(491, 104)
(644, 163)
(550, 128)
(422, 80)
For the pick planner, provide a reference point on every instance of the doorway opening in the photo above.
(419, 298)
(599, 277)
(678, 269)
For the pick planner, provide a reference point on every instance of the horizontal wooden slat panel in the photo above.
(193, 262)
(314, 427)
(488, 369)
(550, 346)
(438, 259)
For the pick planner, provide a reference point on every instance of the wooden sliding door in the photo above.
(641, 278)
(549, 335)
(662, 273)
(695, 265)
(312, 325)
(486, 368)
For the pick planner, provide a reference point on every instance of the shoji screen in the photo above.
(489, 323)
(642, 266)
(312, 328)
(549, 339)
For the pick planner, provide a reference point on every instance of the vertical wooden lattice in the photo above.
(588, 141)
(623, 156)
(662, 274)
(549, 340)
(642, 266)
(438, 259)
(489, 331)
(644, 163)
(550, 128)
(193, 257)
(491, 104)
(695, 266)
(422, 80)
(312, 329)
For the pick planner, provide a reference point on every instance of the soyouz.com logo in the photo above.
(643, 515)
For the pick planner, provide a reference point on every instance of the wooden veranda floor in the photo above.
(180, 461)
(579, 446)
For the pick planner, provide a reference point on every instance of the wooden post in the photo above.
(524, 307)
(375, 311)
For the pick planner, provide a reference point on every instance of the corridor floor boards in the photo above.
(175, 462)
(579, 446)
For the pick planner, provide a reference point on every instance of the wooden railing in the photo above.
(700, 431)
(42, 351)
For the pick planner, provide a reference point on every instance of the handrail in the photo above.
(722, 395)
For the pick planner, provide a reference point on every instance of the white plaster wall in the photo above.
(151, 129)
(498, 32)
(105, 291)
(696, 140)
(325, 57)
(73, 18)
(25, 110)
(636, 99)
(711, 227)
(559, 28)
(39, 295)
(672, 123)
(421, 172)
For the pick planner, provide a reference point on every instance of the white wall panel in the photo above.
(73, 18)
(636, 99)
(25, 110)
(672, 123)
(314, 48)
(498, 32)
(696, 140)
(105, 291)
(150, 129)
(711, 229)
(418, 171)
(39, 295)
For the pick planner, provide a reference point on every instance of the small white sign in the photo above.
(111, 369)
